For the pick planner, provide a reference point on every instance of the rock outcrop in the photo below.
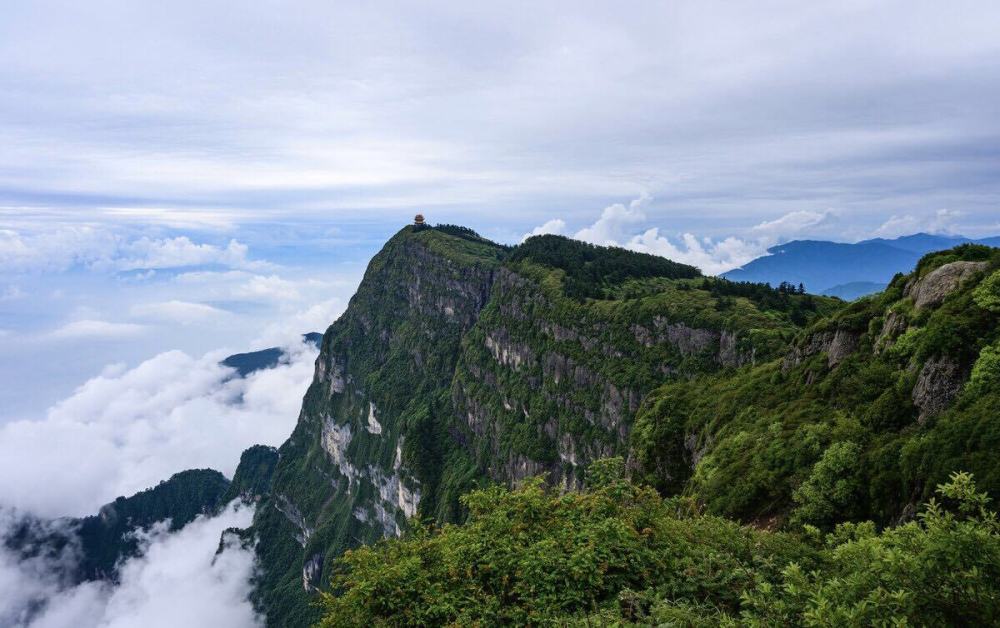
(938, 383)
(932, 289)
(837, 345)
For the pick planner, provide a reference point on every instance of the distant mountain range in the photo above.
(845, 270)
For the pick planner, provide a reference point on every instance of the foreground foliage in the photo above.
(619, 554)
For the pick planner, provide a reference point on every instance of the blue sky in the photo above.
(198, 175)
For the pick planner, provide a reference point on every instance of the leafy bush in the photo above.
(535, 556)
(942, 570)
(832, 488)
(619, 554)
(987, 293)
(986, 370)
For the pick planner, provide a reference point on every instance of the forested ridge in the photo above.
(842, 475)
(558, 433)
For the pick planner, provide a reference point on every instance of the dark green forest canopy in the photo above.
(589, 268)
(106, 538)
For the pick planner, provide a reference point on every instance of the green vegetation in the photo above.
(619, 554)
(576, 368)
(590, 269)
(765, 422)
(106, 538)
(252, 479)
(825, 441)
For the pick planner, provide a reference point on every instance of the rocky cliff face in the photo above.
(547, 384)
(368, 450)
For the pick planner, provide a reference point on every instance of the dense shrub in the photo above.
(619, 554)
(535, 556)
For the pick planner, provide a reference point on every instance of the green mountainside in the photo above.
(884, 399)
(565, 434)
(460, 363)
(809, 462)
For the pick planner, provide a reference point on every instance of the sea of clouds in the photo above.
(177, 580)
(121, 432)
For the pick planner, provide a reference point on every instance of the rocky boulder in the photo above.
(931, 289)
(938, 383)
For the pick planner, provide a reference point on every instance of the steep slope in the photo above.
(554, 370)
(371, 440)
(459, 361)
(868, 411)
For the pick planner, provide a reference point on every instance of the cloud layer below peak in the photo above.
(135, 427)
(177, 580)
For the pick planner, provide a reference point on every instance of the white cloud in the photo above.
(792, 224)
(63, 246)
(611, 228)
(177, 253)
(556, 226)
(55, 249)
(267, 288)
(126, 430)
(178, 580)
(175, 311)
(95, 329)
(943, 221)
(711, 256)
(618, 224)
(316, 317)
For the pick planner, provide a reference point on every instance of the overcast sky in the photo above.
(503, 115)
(181, 180)
(214, 175)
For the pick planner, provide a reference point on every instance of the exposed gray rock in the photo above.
(510, 354)
(330, 372)
(730, 355)
(696, 448)
(688, 340)
(311, 571)
(938, 383)
(931, 289)
(292, 514)
(335, 440)
(837, 345)
(843, 344)
(373, 426)
(895, 324)
(519, 467)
